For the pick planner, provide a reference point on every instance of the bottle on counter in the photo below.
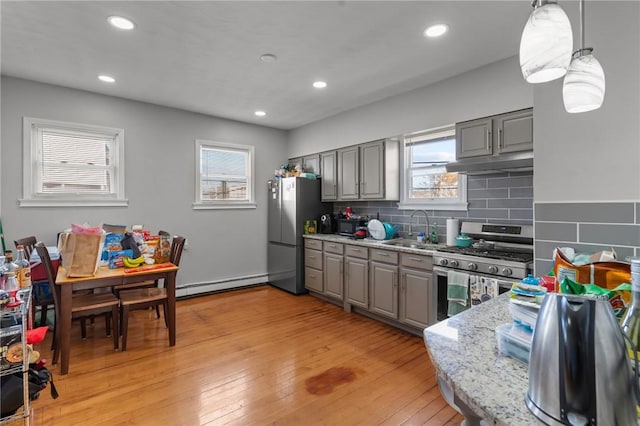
(24, 267)
(434, 233)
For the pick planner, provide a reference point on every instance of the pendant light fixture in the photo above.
(546, 43)
(584, 84)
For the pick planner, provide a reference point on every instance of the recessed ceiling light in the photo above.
(120, 22)
(436, 30)
(106, 78)
(268, 57)
(260, 113)
(319, 84)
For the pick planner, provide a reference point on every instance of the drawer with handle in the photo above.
(357, 251)
(330, 247)
(386, 256)
(416, 261)
(313, 259)
(313, 279)
(314, 244)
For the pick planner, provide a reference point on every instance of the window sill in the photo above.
(435, 205)
(223, 206)
(74, 202)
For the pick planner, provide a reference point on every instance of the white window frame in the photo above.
(31, 171)
(406, 203)
(250, 203)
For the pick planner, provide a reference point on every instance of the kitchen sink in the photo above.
(401, 242)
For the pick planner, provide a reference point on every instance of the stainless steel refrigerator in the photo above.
(292, 201)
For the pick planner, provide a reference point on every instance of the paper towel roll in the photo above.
(453, 227)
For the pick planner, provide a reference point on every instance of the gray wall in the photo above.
(492, 89)
(587, 174)
(225, 247)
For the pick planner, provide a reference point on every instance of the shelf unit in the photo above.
(13, 326)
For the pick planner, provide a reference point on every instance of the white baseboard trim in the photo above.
(192, 289)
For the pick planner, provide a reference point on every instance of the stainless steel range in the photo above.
(499, 256)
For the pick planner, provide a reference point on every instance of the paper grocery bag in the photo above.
(80, 253)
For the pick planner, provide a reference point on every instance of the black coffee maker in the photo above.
(327, 224)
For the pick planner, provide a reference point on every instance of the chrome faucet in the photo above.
(411, 222)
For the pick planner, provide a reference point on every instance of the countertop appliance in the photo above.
(327, 224)
(349, 227)
(291, 202)
(579, 373)
(499, 256)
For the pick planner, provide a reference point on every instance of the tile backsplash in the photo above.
(587, 227)
(498, 198)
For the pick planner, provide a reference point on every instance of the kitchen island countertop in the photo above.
(464, 351)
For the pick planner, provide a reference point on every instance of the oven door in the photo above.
(481, 288)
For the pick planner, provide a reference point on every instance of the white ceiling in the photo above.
(204, 56)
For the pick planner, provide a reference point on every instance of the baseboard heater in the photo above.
(193, 289)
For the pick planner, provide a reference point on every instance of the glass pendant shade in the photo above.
(546, 44)
(584, 84)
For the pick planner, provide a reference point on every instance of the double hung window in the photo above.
(71, 164)
(224, 175)
(426, 183)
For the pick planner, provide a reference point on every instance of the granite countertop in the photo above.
(464, 351)
(372, 243)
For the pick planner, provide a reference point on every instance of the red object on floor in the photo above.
(36, 335)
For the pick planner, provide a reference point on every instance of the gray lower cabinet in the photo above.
(313, 269)
(333, 270)
(383, 282)
(416, 290)
(391, 284)
(356, 276)
(333, 274)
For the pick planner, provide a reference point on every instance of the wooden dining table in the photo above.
(106, 277)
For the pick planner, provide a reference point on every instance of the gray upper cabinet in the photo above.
(369, 171)
(348, 175)
(311, 164)
(329, 183)
(515, 131)
(510, 132)
(372, 170)
(474, 138)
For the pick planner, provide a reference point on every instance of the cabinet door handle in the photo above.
(383, 254)
(500, 141)
(488, 139)
(415, 259)
(395, 280)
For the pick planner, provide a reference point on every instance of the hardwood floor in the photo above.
(248, 357)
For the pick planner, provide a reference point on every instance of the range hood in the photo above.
(511, 162)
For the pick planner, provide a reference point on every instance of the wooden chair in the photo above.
(150, 296)
(29, 243)
(41, 296)
(83, 305)
(142, 284)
